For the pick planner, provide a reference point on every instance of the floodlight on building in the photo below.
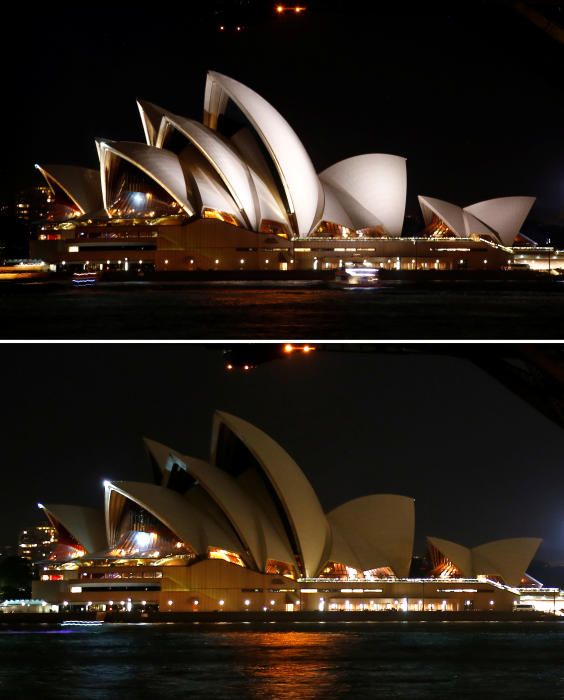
(143, 539)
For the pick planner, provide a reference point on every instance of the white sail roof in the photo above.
(187, 517)
(508, 559)
(226, 162)
(85, 524)
(253, 528)
(505, 215)
(161, 166)
(378, 530)
(300, 183)
(372, 188)
(81, 185)
(294, 492)
(451, 214)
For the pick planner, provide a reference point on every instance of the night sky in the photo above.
(481, 463)
(468, 91)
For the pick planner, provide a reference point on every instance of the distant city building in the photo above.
(33, 204)
(28, 206)
(239, 192)
(37, 543)
(245, 531)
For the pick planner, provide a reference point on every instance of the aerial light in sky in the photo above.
(296, 9)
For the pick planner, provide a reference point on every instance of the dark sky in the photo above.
(467, 90)
(481, 463)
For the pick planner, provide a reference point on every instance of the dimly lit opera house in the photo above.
(245, 531)
(238, 191)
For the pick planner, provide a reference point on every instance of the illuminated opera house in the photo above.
(239, 191)
(245, 531)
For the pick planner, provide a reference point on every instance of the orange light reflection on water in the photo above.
(291, 665)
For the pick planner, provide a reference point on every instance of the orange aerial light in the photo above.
(297, 9)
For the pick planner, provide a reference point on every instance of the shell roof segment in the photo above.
(303, 194)
(372, 188)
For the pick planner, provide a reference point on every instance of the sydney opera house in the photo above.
(245, 531)
(239, 191)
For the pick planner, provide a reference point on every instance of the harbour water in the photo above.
(287, 661)
(248, 311)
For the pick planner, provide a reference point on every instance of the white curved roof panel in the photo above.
(151, 116)
(81, 185)
(295, 493)
(210, 190)
(303, 193)
(508, 558)
(505, 215)
(334, 211)
(252, 527)
(229, 166)
(189, 519)
(269, 202)
(372, 188)
(161, 166)
(456, 553)
(85, 524)
(379, 530)
(474, 226)
(451, 214)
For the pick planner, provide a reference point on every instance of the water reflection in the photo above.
(450, 662)
(292, 664)
(278, 312)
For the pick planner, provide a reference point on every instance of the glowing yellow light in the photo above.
(288, 348)
(280, 9)
(229, 366)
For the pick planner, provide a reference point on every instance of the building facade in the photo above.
(37, 543)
